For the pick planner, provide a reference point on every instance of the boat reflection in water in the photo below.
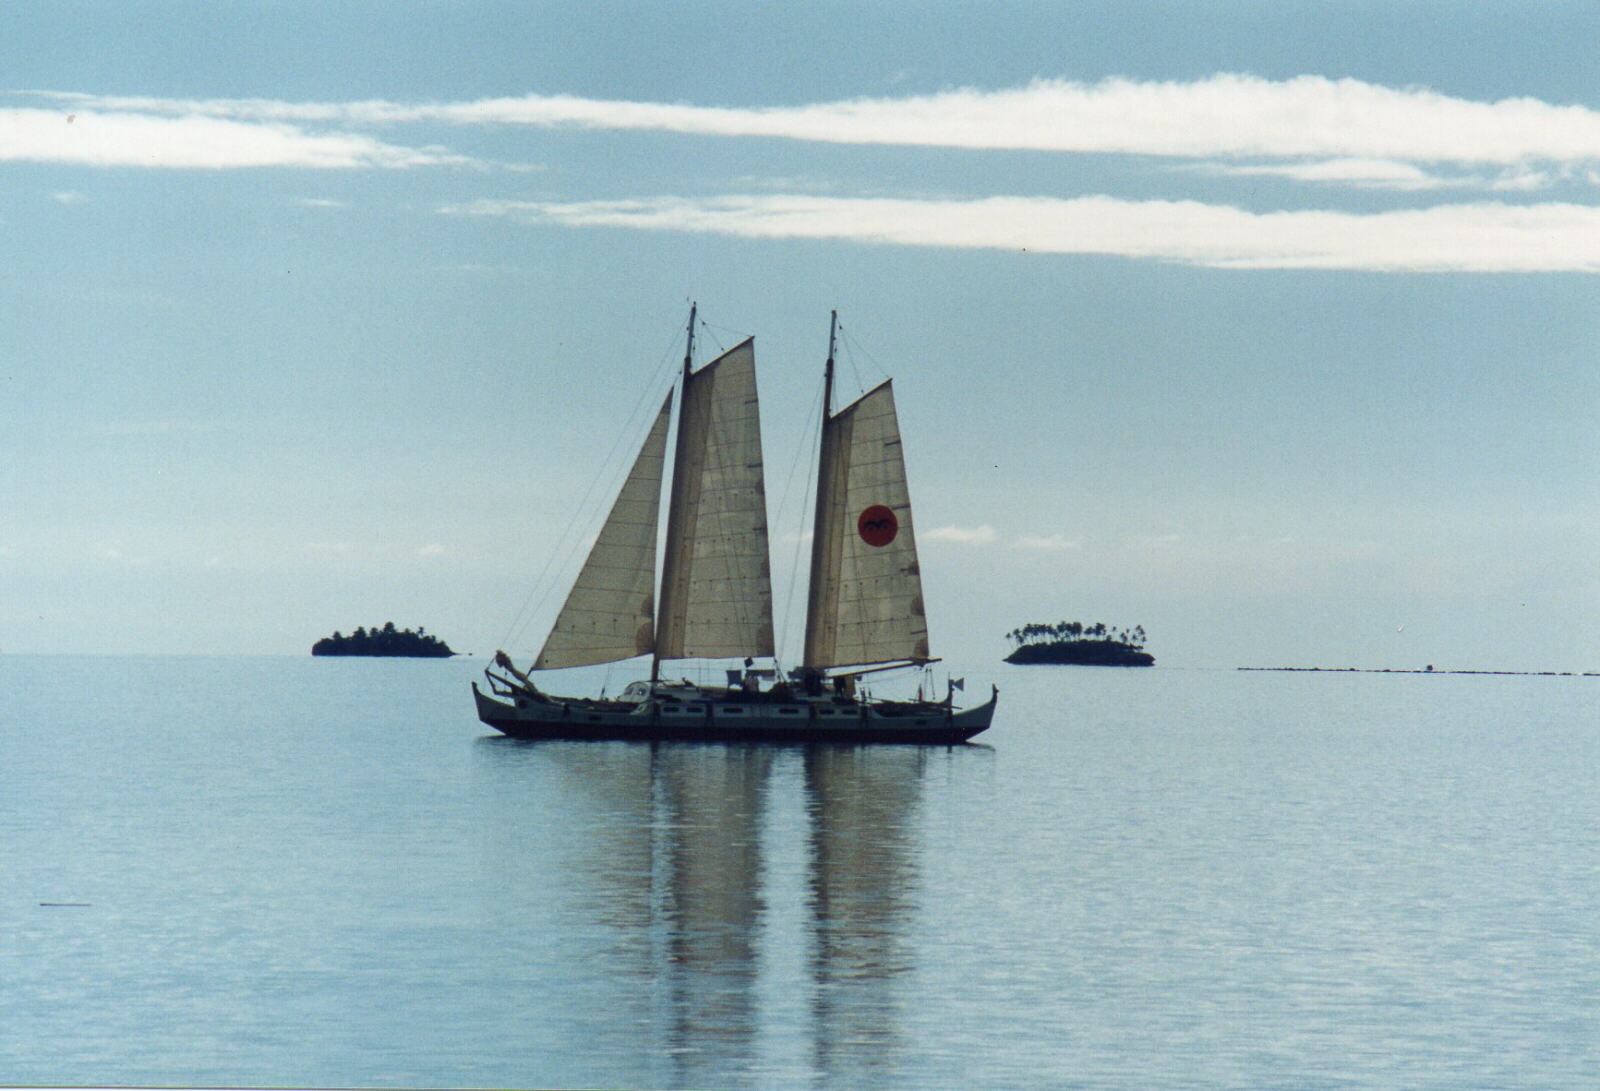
(861, 875)
(739, 912)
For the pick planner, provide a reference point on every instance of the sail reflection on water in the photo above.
(862, 877)
(706, 870)
(748, 902)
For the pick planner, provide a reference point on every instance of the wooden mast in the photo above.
(677, 464)
(827, 373)
(818, 517)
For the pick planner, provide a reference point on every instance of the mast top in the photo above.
(827, 373)
(688, 352)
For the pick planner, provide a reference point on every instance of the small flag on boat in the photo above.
(959, 683)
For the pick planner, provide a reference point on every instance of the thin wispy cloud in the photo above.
(115, 555)
(95, 138)
(1363, 173)
(1390, 175)
(1309, 130)
(986, 535)
(1048, 543)
(981, 535)
(1225, 116)
(1484, 237)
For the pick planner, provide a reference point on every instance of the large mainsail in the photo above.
(865, 601)
(716, 585)
(608, 614)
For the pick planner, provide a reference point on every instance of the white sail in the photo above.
(865, 601)
(716, 584)
(608, 613)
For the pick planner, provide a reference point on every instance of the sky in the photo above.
(1269, 327)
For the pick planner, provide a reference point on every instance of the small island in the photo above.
(387, 641)
(1073, 642)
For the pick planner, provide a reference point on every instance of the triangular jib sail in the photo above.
(716, 588)
(609, 613)
(865, 602)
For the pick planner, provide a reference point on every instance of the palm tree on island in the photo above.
(1095, 645)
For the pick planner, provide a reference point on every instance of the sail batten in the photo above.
(609, 613)
(865, 603)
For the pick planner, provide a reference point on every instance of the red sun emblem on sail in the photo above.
(877, 526)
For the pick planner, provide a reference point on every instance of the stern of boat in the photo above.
(973, 721)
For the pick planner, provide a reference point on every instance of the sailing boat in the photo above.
(864, 609)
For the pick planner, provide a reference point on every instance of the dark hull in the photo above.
(926, 725)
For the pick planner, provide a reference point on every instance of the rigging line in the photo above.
(849, 352)
(809, 458)
(851, 347)
(585, 514)
(706, 328)
(571, 540)
(737, 334)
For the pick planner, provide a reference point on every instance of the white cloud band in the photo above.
(1480, 237)
(97, 138)
(1224, 116)
(980, 535)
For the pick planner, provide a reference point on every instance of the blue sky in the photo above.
(1268, 327)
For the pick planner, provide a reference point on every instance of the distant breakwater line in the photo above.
(1430, 670)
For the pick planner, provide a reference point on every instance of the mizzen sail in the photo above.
(865, 600)
(716, 583)
(608, 614)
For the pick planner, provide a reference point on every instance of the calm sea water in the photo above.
(286, 871)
